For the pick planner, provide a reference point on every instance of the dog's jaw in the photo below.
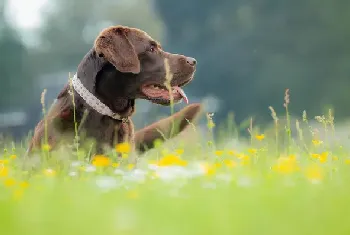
(164, 94)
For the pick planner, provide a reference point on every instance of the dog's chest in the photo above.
(107, 131)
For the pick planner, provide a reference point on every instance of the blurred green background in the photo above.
(248, 52)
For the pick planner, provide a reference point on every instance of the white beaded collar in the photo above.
(94, 102)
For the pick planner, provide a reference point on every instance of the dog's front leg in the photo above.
(168, 127)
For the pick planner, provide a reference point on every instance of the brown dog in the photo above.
(124, 64)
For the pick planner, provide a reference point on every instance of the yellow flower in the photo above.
(130, 166)
(335, 158)
(323, 157)
(231, 153)
(292, 157)
(115, 165)
(317, 142)
(13, 156)
(252, 151)
(260, 137)
(4, 161)
(9, 182)
(315, 155)
(218, 165)
(4, 171)
(219, 153)
(286, 165)
(101, 160)
(314, 173)
(208, 169)
(49, 172)
(46, 147)
(347, 161)
(240, 155)
(179, 151)
(171, 160)
(24, 184)
(245, 160)
(123, 148)
(230, 163)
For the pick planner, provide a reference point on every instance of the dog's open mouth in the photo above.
(160, 94)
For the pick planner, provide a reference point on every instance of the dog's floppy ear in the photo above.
(114, 45)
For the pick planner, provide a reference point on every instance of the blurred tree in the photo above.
(15, 78)
(71, 27)
(249, 51)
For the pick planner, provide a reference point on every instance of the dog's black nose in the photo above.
(191, 61)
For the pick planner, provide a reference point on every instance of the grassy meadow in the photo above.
(290, 180)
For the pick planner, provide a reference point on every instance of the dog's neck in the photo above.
(88, 69)
(87, 72)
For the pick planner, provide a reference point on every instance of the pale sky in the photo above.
(26, 13)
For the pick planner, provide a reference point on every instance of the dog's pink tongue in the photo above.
(182, 93)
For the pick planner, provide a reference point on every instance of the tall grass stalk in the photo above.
(46, 138)
(250, 131)
(76, 133)
(210, 125)
(275, 120)
(168, 78)
(288, 127)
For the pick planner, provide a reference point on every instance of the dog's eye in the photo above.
(152, 49)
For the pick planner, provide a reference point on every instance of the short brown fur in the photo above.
(123, 65)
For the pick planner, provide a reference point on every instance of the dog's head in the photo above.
(139, 68)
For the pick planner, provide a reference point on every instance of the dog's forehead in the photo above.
(140, 39)
(139, 34)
